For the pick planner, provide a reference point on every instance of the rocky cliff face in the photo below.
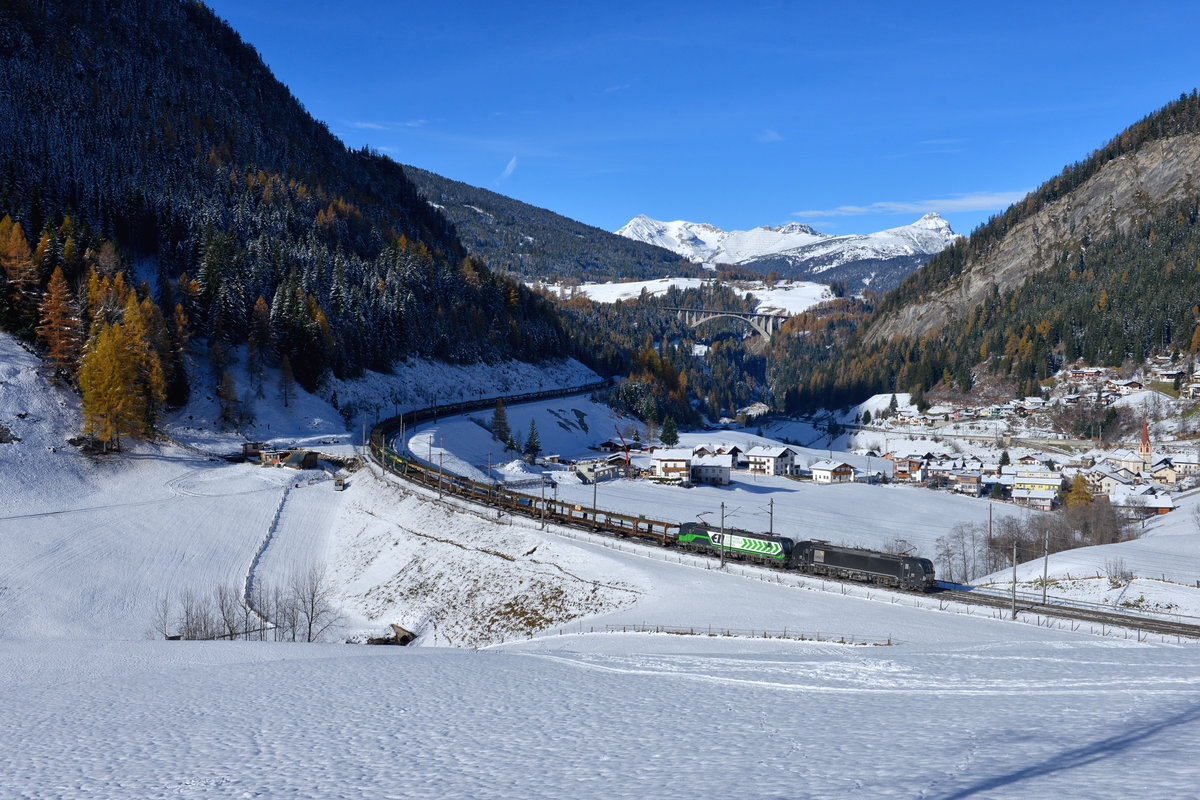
(1123, 191)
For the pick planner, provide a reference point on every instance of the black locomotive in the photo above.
(815, 557)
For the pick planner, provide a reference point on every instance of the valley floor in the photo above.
(535, 698)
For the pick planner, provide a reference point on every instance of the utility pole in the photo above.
(595, 482)
(1014, 585)
(722, 535)
(771, 523)
(1045, 561)
(543, 501)
(440, 454)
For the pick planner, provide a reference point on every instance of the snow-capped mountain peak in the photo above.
(933, 221)
(704, 243)
(797, 249)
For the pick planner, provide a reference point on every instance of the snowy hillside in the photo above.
(796, 243)
(567, 696)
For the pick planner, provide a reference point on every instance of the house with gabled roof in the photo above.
(712, 469)
(673, 465)
(777, 460)
(1164, 471)
(1039, 499)
(967, 481)
(832, 472)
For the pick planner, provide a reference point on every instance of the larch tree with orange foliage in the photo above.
(108, 381)
(59, 329)
(20, 273)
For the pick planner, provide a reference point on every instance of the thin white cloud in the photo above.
(388, 126)
(619, 88)
(512, 166)
(975, 201)
(769, 135)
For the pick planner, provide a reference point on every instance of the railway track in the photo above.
(656, 532)
(1098, 616)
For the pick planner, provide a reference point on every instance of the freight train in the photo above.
(815, 557)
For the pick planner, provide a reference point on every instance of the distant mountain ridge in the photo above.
(531, 242)
(880, 260)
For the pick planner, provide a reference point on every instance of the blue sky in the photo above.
(852, 117)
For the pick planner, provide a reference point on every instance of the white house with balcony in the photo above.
(832, 472)
(674, 466)
(771, 460)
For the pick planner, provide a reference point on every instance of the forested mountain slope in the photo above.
(150, 126)
(532, 242)
(1100, 263)
(1148, 166)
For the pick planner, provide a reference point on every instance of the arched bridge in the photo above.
(763, 324)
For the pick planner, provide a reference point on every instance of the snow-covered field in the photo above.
(603, 716)
(784, 297)
(960, 704)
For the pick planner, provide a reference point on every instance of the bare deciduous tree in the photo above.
(312, 595)
(229, 606)
(162, 617)
(198, 620)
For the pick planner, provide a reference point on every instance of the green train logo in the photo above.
(745, 544)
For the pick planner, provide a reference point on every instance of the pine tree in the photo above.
(500, 429)
(1004, 459)
(227, 398)
(670, 434)
(60, 326)
(287, 381)
(177, 380)
(533, 443)
(258, 345)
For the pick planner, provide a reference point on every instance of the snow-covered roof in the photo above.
(829, 466)
(762, 451)
(1034, 494)
(1123, 497)
(725, 460)
(674, 454)
(1031, 480)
